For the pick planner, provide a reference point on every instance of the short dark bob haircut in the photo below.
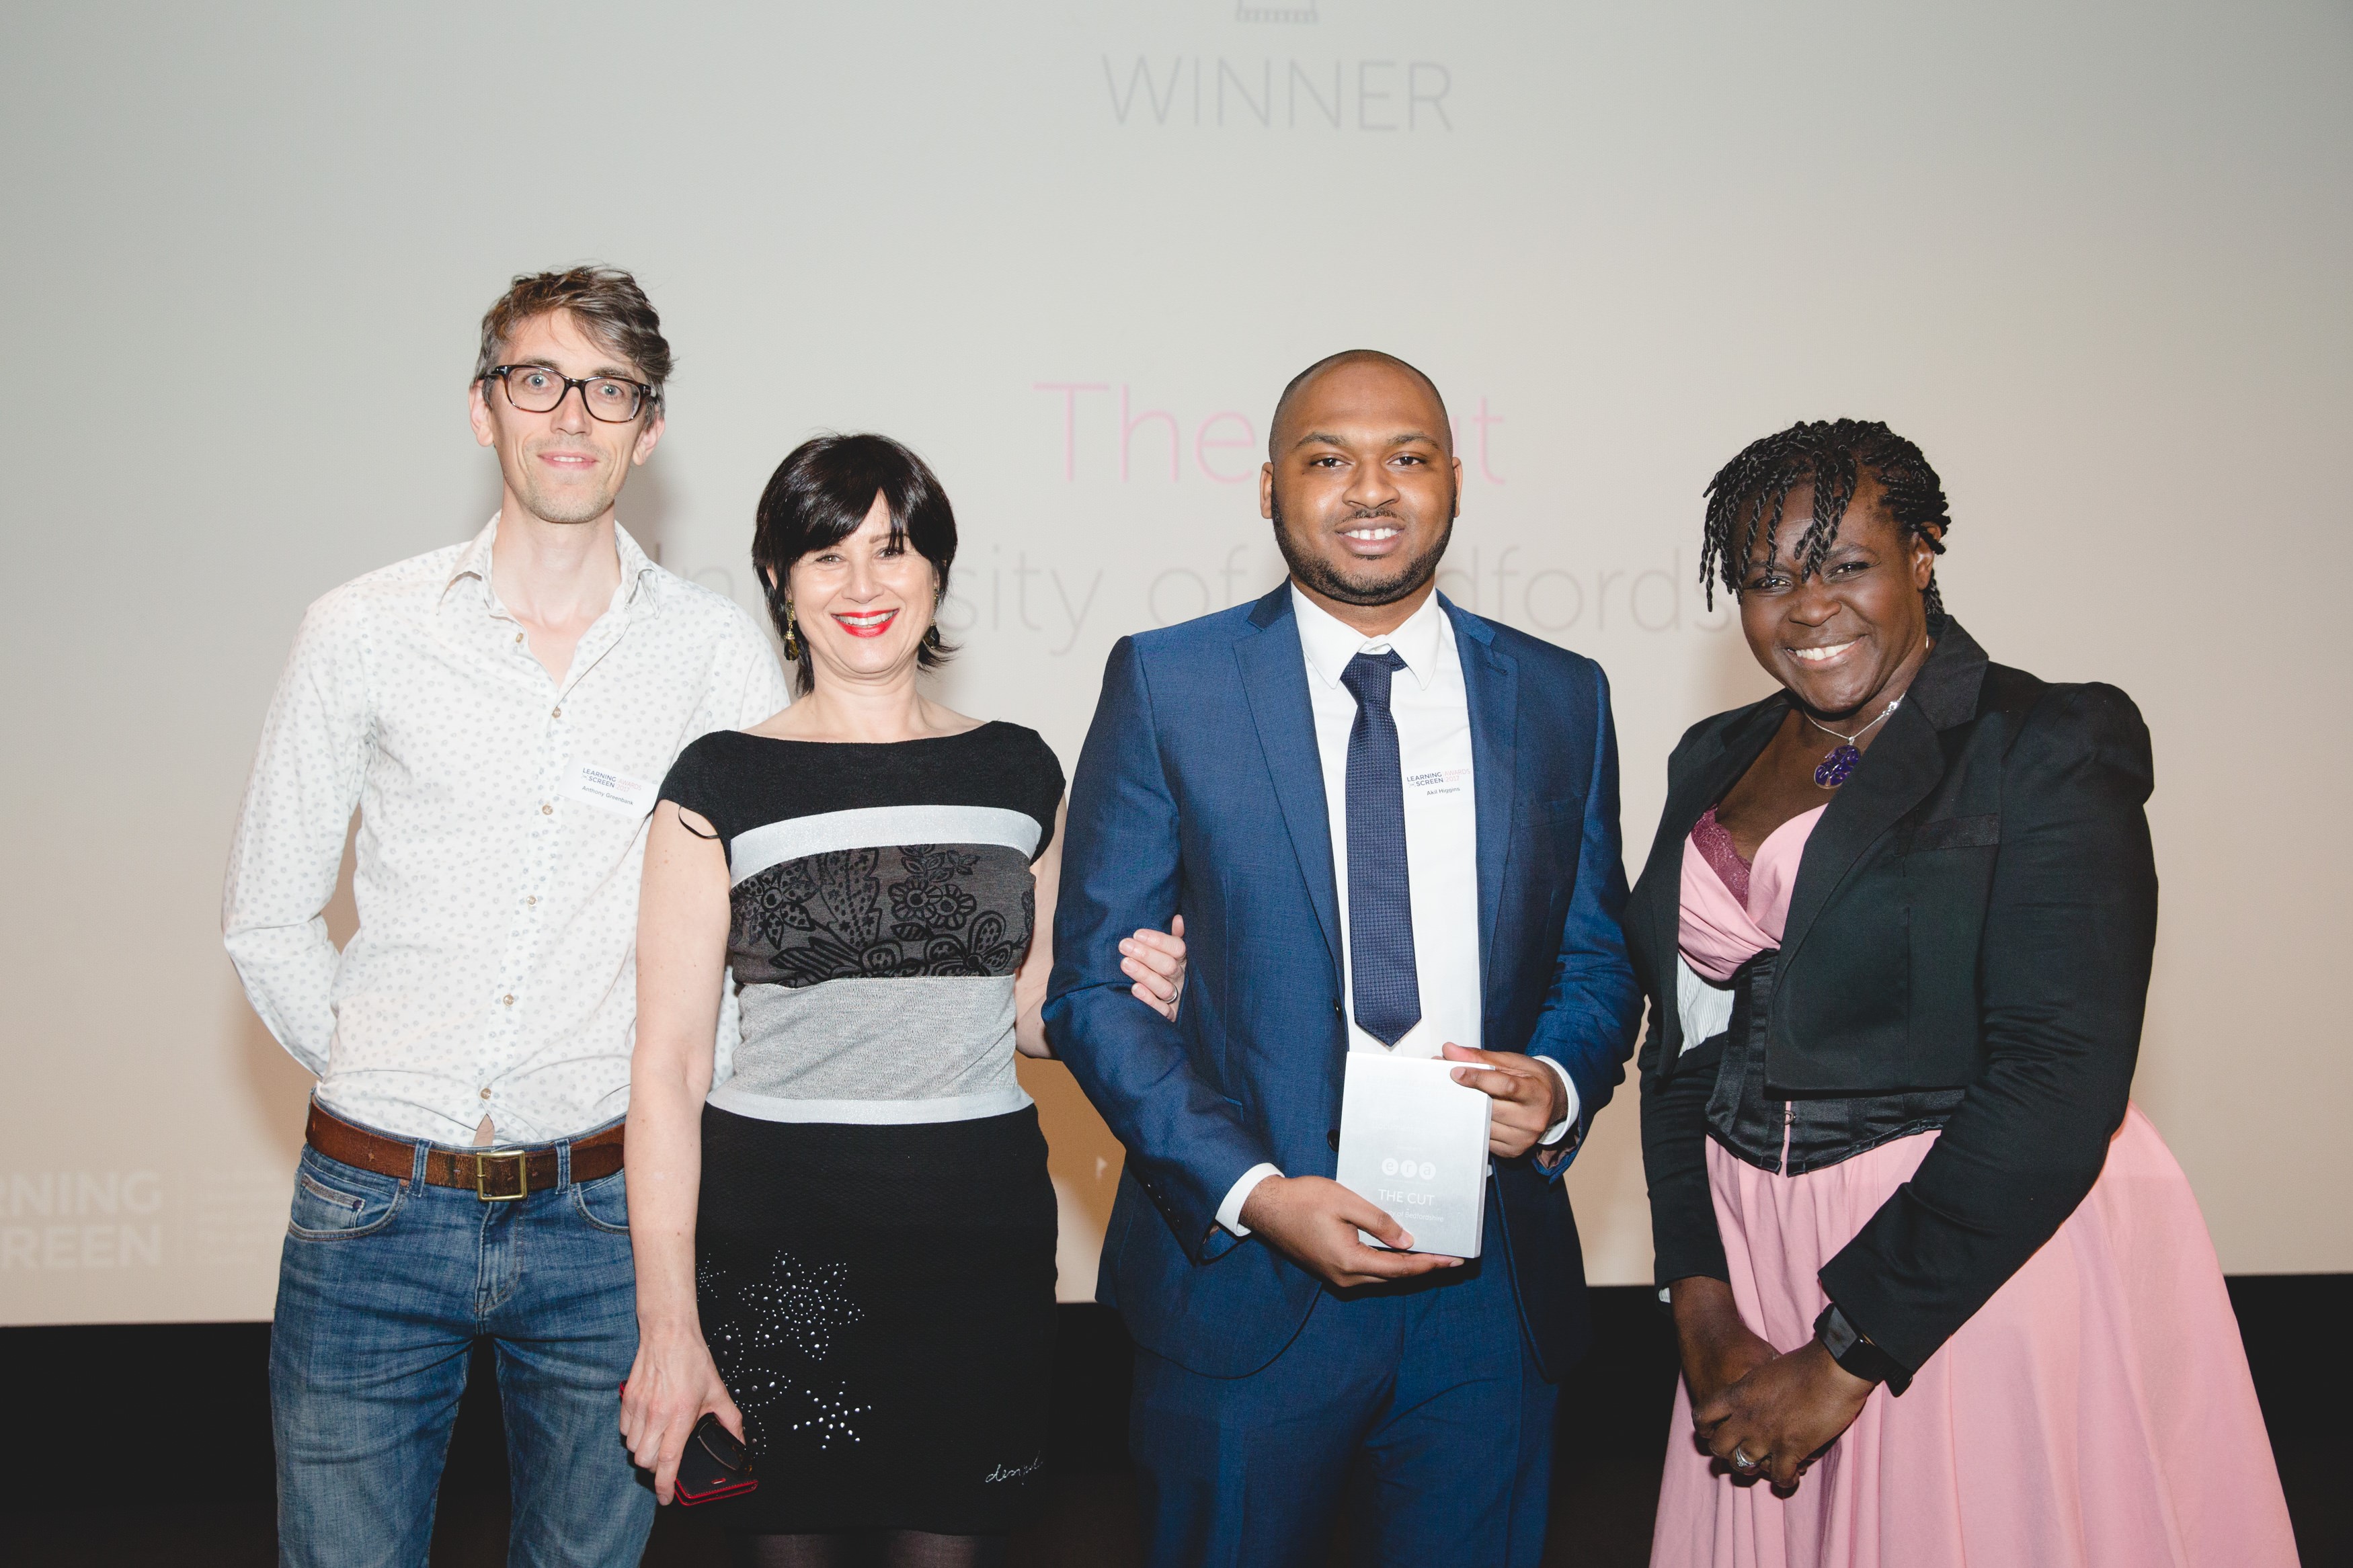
(819, 495)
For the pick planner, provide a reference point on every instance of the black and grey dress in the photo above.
(875, 1240)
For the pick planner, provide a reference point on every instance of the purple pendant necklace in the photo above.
(1840, 766)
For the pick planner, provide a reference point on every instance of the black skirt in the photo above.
(879, 1300)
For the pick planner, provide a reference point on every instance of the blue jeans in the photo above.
(1424, 1394)
(384, 1287)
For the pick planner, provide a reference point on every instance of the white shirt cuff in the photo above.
(1558, 1130)
(1229, 1213)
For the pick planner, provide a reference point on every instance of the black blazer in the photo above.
(1977, 909)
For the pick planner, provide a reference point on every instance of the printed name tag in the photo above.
(1438, 784)
(614, 792)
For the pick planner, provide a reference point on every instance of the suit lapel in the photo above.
(1274, 680)
(1896, 775)
(1491, 682)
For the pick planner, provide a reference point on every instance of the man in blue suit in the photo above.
(1391, 827)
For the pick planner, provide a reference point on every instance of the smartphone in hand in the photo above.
(716, 1465)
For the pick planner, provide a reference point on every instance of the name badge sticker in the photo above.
(1439, 784)
(607, 789)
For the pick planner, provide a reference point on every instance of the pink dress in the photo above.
(2096, 1413)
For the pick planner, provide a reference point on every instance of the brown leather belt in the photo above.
(495, 1175)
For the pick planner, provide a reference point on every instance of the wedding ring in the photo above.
(1741, 1461)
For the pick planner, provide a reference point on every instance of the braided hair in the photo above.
(1746, 498)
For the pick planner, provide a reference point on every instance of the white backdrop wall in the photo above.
(2092, 257)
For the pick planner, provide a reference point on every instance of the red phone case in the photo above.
(701, 1478)
(688, 1499)
(702, 1475)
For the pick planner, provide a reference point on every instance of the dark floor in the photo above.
(186, 1407)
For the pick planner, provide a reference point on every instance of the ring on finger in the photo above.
(1741, 1461)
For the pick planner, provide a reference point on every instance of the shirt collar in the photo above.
(638, 573)
(1329, 642)
(474, 561)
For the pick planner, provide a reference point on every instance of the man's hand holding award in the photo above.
(1528, 1098)
(1467, 1103)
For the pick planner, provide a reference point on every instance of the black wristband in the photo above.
(1852, 1350)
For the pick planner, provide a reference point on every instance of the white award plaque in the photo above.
(1415, 1142)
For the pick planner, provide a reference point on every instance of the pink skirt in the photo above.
(2096, 1413)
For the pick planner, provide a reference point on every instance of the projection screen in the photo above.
(2093, 258)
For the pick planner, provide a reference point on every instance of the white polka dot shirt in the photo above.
(502, 828)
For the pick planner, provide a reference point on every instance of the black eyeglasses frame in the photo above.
(648, 395)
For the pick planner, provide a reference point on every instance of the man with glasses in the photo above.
(500, 713)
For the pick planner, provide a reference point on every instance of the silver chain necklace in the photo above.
(1840, 766)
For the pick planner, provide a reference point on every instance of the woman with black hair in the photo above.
(1936, 1281)
(844, 1249)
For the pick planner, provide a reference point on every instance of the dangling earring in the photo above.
(792, 644)
(931, 632)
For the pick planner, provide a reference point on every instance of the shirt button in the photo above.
(486, 1094)
(546, 810)
(518, 637)
(531, 899)
(505, 1001)
(555, 713)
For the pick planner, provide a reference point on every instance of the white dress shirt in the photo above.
(1432, 710)
(503, 828)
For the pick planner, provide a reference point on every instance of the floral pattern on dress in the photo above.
(909, 910)
(928, 901)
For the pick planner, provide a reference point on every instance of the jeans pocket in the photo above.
(605, 1201)
(335, 1202)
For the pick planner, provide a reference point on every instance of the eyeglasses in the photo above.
(536, 389)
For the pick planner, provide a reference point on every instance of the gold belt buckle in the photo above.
(521, 1174)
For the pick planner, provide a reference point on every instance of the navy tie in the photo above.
(1386, 991)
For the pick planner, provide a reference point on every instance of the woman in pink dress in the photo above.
(1943, 1296)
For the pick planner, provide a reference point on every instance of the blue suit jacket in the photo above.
(1200, 792)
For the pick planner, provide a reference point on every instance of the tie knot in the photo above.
(1368, 677)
